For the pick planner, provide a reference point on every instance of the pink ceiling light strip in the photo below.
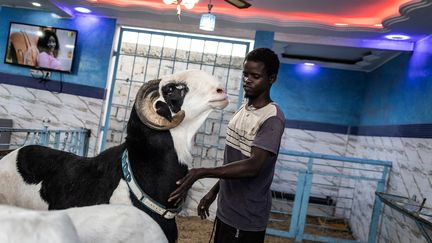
(370, 15)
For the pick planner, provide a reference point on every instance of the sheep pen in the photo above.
(194, 230)
(141, 172)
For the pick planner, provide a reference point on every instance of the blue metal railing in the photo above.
(74, 140)
(316, 173)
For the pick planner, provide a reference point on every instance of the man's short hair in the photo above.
(266, 56)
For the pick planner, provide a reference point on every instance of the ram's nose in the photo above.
(221, 92)
(221, 99)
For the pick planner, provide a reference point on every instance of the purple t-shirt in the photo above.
(245, 203)
(48, 61)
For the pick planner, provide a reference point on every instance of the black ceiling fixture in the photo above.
(326, 59)
(239, 3)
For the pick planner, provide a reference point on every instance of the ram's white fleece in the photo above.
(13, 189)
(19, 225)
(93, 224)
(205, 94)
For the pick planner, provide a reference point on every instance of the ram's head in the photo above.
(164, 103)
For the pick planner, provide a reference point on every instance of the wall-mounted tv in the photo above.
(41, 47)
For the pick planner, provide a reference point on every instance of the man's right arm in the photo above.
(246, 168)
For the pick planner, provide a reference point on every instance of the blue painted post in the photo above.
(80, 142)
(377, 208)
(74, 143)
(83, 142)
(71, 142)
(57, 140)
(32, 139)
(293, 229)
(45, 136)
(297, 202)
(111, 94)
(305, 202)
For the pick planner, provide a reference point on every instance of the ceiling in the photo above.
(333, 33)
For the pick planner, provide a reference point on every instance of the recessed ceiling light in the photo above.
(307, 68)
(397, 37)
(309, 64)
(82, 10)
(340, 24)
(36, 4)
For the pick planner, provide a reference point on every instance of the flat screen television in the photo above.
(41, 47)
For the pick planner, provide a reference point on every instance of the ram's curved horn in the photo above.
(144, 107)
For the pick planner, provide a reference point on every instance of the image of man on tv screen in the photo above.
(39, 47)
(48, 46)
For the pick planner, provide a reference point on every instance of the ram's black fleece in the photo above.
(69, 180)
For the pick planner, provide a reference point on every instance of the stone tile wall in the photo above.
(411, 175)
(28, 108)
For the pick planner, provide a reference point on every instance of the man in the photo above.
(252, 145)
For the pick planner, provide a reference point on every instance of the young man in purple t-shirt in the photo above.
(252, 145)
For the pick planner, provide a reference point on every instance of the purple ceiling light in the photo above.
(309, 64)
(397, 37)
(82, 10)
(307, 68)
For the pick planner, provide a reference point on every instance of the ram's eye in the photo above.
(169, 89)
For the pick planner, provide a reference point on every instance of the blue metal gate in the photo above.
(73, 140)
(325, 189)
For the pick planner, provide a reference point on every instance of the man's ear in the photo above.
(272, 78)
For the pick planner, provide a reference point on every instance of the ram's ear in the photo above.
(163, 110)
(173, 94)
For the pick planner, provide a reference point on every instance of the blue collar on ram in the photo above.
(164, 119)
(144, 198)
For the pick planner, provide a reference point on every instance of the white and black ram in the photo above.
(142, 171)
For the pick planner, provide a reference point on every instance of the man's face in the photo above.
(51, 43)
(255, 79)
